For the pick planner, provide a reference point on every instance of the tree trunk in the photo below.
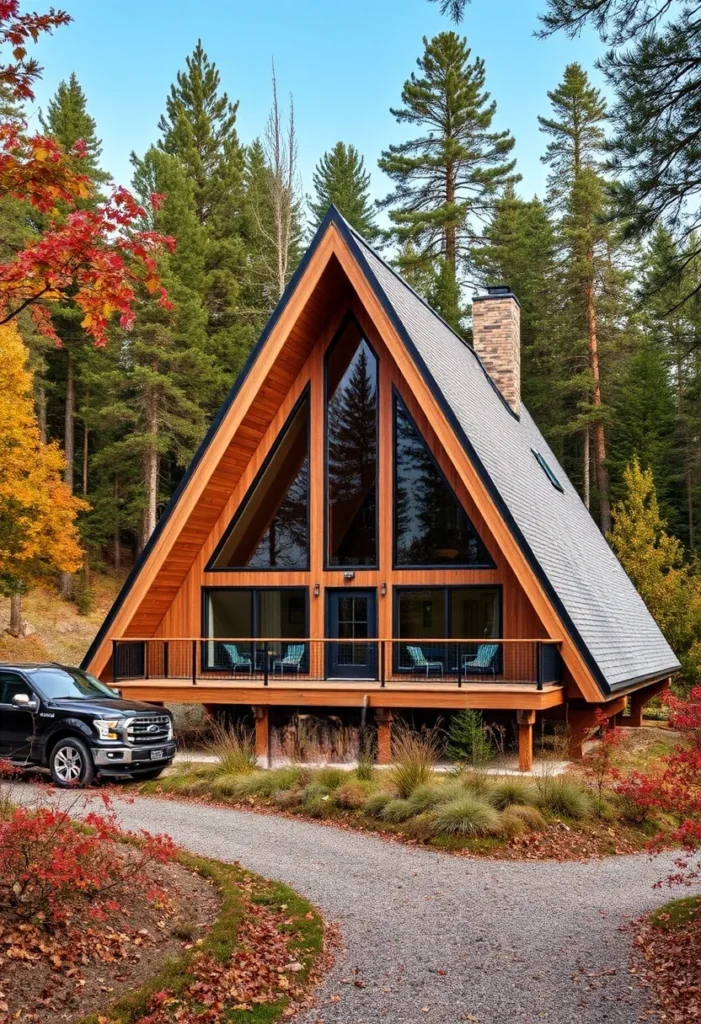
(15, 615)
(41, 410)
(151, 470)
(86, 438)
(587, 468)
(66, 579)
(117, 548)
(602, 478)
(450, 232)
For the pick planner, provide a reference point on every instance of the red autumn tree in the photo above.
(98, 257)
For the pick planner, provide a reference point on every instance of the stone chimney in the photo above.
(496, 338)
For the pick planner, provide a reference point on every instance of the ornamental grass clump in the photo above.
(509, 791)
(376, 802)
(518, 819)
(351, 796)
(467, 817)
(397, 811)
(564, 797)
(414, 758)
(332, 778)
(234, 748)
(425, 798)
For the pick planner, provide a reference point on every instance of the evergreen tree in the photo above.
(576, 190)
(522, 251)
(340, 178)
(448, 177)
(199, 129)
(66, 121)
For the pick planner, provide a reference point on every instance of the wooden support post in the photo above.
(525, 721)
(639, 699)
(582, 722)
(384, 735)
(262, 716)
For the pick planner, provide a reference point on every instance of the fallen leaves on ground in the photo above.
(670, 966)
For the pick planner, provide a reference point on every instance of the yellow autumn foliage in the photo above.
(38, 532)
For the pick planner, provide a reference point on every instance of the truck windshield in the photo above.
(55, 683)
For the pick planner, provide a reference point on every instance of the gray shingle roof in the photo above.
(602, 608)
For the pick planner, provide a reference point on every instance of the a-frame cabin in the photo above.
(374, 521)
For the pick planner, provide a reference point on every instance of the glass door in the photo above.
(352, 619)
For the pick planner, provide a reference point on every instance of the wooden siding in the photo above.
(165, 599)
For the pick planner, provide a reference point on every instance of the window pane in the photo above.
(271, 530)
(281, 613)
(229, 613)
(421, 613)
(352, 450)
(474, 613)
(431, 526)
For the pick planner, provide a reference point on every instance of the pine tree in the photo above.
(522, 251)
(38, 533)
(199, 129)
(576, 190)
(67, 120)
(340, 178)
(448, 177)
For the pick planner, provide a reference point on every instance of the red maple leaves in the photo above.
(97, 257)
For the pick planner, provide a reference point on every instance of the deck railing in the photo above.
(275, 660)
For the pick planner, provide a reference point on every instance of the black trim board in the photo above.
(331, 217)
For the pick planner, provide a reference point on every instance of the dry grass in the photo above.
(415, 755)
(234, 747)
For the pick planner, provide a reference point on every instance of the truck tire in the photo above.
(71, 764)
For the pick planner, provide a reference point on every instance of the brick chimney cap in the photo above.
(497, 291)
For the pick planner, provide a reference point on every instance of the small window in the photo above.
(548, 472)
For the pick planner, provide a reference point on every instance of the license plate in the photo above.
(156, 755)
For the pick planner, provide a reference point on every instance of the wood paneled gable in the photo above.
(164, 596)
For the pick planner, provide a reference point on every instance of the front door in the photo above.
(352, 618)
(17, 725)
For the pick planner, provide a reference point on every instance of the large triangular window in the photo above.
(431, 528)
(271, 528)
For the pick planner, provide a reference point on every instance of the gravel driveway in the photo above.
(434, 938)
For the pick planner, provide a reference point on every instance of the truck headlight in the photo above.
(107, 729)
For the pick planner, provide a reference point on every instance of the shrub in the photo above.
(287, 799)
(465, 817)
(396, 811)
(468, 743)
(513, 790)
(561, 796)
(264, 783)
(332, 778)
(50, 866)
(520, 818)
(414, 757)
(234, 748)
(376, 802)
(351, 796)
(316, 800)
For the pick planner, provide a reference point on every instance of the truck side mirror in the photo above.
(25, 702)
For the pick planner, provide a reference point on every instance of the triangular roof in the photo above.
(608, 629)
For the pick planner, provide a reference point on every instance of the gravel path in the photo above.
(440, 939)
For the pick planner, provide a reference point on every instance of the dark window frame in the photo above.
(253, 590)
(549, 472)
(441, 566)
(328, 567)
(447, 588)
(211, 567)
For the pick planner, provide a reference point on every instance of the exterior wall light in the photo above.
(384, 589)
(317, 590)
(349, 575)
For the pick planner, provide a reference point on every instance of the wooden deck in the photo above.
(344, 693)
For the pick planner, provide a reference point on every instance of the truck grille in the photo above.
(154, 729)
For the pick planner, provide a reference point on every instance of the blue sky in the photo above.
(343, 60)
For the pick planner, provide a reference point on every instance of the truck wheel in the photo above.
(71, 764)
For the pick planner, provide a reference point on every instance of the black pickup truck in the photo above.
(63, 719)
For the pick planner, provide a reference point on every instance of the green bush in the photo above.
(396, 811)
(465, 817)
(317, 806)
(520, 818)
(332, 778)
(512, 790)
(262, 784)
(376, 802)
(562, 796)
(414, 757)
(351, 796)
